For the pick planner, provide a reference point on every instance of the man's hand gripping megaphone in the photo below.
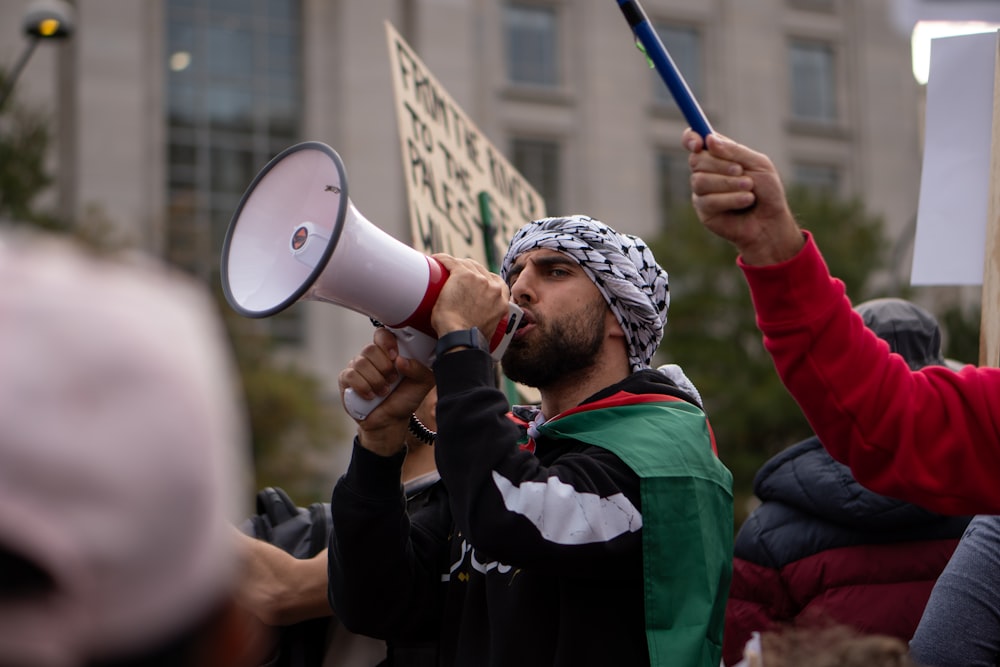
(393, 371)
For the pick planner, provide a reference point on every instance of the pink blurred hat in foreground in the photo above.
(122, 453)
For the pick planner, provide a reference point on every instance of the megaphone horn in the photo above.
(297, 236)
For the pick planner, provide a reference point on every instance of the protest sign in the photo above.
(465, 198)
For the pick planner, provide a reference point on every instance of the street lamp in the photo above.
(43, 19)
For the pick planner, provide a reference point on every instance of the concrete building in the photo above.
(165, 109)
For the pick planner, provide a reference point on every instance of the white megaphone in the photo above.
(297, 236)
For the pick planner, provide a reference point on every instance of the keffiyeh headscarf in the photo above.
(621, 266)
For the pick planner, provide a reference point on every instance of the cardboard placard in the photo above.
(465, 198)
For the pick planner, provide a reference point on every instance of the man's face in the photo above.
(566, 318)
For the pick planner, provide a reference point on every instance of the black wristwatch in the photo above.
(462, 338)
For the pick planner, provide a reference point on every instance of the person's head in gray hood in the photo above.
(910, 331)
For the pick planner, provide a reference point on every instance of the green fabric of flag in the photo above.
(687, 516)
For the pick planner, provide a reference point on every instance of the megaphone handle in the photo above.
(412, 344)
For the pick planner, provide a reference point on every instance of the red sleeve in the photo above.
(928, 436)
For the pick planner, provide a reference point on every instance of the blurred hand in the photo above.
(278, 588)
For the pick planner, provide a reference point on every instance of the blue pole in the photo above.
(664, 64)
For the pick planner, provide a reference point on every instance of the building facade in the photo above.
(165, 109)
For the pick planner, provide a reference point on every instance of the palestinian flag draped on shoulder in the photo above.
(687, 515)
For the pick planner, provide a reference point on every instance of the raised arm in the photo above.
(931, 436)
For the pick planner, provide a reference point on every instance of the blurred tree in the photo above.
(292, 424)
(961, 328)
(712, 334)
(24, 141)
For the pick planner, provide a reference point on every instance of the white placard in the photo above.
(954, 187)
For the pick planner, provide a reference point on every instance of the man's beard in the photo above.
(559, 350)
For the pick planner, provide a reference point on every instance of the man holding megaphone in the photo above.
(595, 528)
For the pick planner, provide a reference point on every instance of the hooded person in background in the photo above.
(593, 529)
(123, 465)
(821, 548)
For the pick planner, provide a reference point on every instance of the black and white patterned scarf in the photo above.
(621, 266)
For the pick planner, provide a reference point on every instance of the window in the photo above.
(813, 82)
(674, 181)
(684, 44)
(532, 45)
(823, 178)
(234, 79)
(538, 162)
